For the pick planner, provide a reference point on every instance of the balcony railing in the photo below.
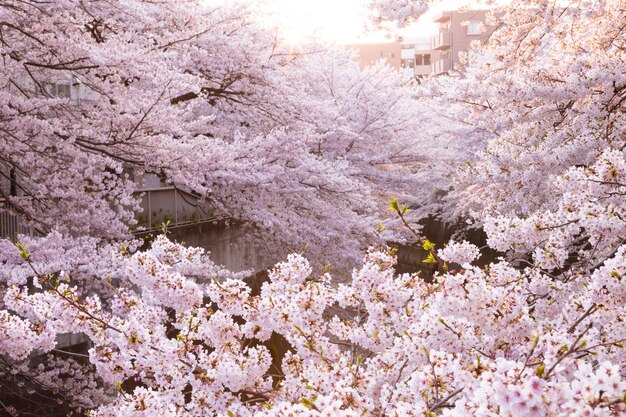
(440, 41)
(168, 204)
(422, 69)
(441, 67)
(10, 226)
(160, 205)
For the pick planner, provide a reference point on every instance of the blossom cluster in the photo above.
(494, 341)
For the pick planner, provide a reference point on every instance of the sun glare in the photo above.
(338, 21)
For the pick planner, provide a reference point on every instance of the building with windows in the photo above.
(457, 31)
(412, 56)
(370, 53)
(430, 56)
(417, 57)
(71, 88)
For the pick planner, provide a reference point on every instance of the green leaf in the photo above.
(430, 259)
(540, 370)
(393, 205)
(535, 342)
(230, 413)
(307, 403)
(299, 329)
(23, 252)
(427, 245)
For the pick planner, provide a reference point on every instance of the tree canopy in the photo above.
(529, 144)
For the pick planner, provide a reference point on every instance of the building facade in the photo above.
(370, 53)
(417, 57)
(457, 31)
(430, 56)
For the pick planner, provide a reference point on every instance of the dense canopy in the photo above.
(527, 141)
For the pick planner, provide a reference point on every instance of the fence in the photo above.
(11, 226)
(160, 205)
(168, 204)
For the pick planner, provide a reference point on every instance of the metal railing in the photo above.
(11, 226)
(170, 205)
(160, 205)
(441, 67)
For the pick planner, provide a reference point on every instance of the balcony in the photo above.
(422, 70)
(407, 53)
(160, 205)
(168, 204)
(440, 41)
(442, 66)
(11, 226)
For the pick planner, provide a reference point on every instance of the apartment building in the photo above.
(420, 57)
(370, 53)
(457, 31)
(417, 57)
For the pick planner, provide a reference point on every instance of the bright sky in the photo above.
(340, 21)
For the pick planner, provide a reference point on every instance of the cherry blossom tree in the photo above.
(210, 101)
(474, 342)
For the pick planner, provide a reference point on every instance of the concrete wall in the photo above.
(230, 245)
(411, 257)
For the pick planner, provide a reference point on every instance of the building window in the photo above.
(59, 89)
(473, 27)
(407, 63)
(63, 90)
(422, 59)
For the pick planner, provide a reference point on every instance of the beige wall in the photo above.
(370, 53)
